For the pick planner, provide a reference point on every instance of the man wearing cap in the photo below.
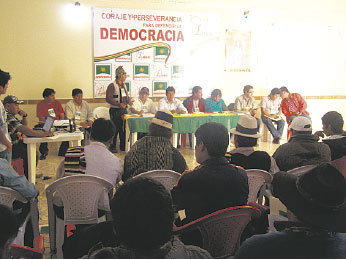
(270, 114)
(292, 105)
(215, 184)
(302, 148)
(117, 97)
(18, 127)
(245, 139)
(316, 204)
(143, 104)
(154, 151)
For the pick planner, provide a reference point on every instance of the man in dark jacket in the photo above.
(303, 148)
(333, 123)
(143, 216)
(215, 184)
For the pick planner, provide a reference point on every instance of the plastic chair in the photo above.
(101, 112)
(80, 197)
(302, 169)
(167, 178)
(340, 164)
(60, 171)
(7, 197)
(257, 184)
(221, 230)
(24, 252)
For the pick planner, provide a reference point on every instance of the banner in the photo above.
(156, 48)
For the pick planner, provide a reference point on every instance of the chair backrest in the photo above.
(80, 196)
(101, 112)
(340, 164)
(221, 231)
(302, 169)
(8, 196)
(24, 252)
(167, 178)
(257, 179)
(231, 107)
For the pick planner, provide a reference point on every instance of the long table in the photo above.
(74, 139)
(186, 123)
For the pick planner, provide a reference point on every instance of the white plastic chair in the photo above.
(257, 181)
(101, 112)
(7, 197)
(302, 169)
(167, 178)
(80, 196)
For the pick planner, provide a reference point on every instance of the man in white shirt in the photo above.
(271, 110)
(143, 104)
(175, 106)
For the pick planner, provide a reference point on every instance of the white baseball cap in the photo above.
(301, 123)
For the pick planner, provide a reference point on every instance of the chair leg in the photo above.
(60, 236)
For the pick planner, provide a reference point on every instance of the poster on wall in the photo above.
(238, 47)
(156, 48)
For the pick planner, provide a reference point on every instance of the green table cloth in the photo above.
(187, 123)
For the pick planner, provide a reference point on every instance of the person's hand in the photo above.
(141, 112)
(173, 111)
(131, 101)
(253, 112)
(182, 112)
(49, 134)
(90, 123)
(122, 105)
(22, 113)
(319, 134)
(85, 125)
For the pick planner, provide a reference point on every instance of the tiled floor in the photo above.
(49, 166)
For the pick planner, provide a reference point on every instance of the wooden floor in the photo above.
(49, 166)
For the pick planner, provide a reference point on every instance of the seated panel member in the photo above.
(215, 103)
(50, 107)
(195, 103)
(18, 127)
(270, 108)
(79, 110)
(246, 104)
(175, 106)
(215, 184)
(292, 105)
(143, 104)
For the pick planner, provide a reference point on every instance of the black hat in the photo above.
(163, 118)
(316, 196)
(12, 99)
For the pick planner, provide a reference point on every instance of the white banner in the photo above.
(156, 48)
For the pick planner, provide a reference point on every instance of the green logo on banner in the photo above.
(142, 70)
(178, 69)
(103, 69)
(160, 86)
(161, 51)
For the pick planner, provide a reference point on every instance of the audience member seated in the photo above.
(143, 216)
(79, 110)
(316, 204)
(302, 148)
(245, 139)
(270, 114)
(292, 105)
(215, 103)
(246, 104)
(5, 142)
(154, 151)
(175, 106)
(9, 229)
(333, 124)
(10, 179)
(95, 159)
(215, 184)
(18, 127)
(50, 107)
